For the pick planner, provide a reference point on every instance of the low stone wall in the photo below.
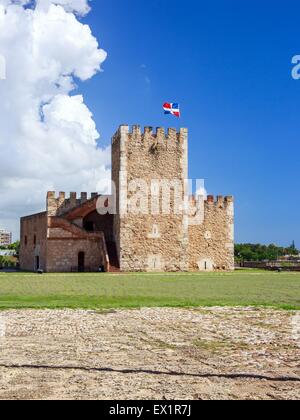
(274, 265)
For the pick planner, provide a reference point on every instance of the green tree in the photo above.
(258, 252)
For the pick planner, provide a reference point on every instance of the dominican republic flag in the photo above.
(172, 109)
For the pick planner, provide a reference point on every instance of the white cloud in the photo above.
(48, 138)
(78, 6)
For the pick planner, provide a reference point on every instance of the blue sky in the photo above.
(228, 63)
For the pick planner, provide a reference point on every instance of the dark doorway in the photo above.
(100, 223)
(89, 226)
(37, 263)
(81, 262)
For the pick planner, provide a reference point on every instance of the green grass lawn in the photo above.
(103, 291)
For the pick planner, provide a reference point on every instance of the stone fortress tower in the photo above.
(157, 226)
(147, 242)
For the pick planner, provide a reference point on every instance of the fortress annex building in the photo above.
(149, 223)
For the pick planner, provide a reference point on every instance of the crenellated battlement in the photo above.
(149, 133)
(219, 200)
(59, 203)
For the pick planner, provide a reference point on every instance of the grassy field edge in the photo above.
(112, 291)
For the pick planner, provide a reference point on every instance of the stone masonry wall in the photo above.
(33, 241)
(151, 242)
(63, 254)
(211, 244)
(115, 173)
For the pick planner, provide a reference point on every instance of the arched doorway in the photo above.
(206, 264)
(155, 263)
(81, 262)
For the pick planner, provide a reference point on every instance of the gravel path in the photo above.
(205, 353)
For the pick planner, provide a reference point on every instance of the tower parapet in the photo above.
(220, 200)
(58, 204)
(160, 134)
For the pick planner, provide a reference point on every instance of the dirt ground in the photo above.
(205, 353)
